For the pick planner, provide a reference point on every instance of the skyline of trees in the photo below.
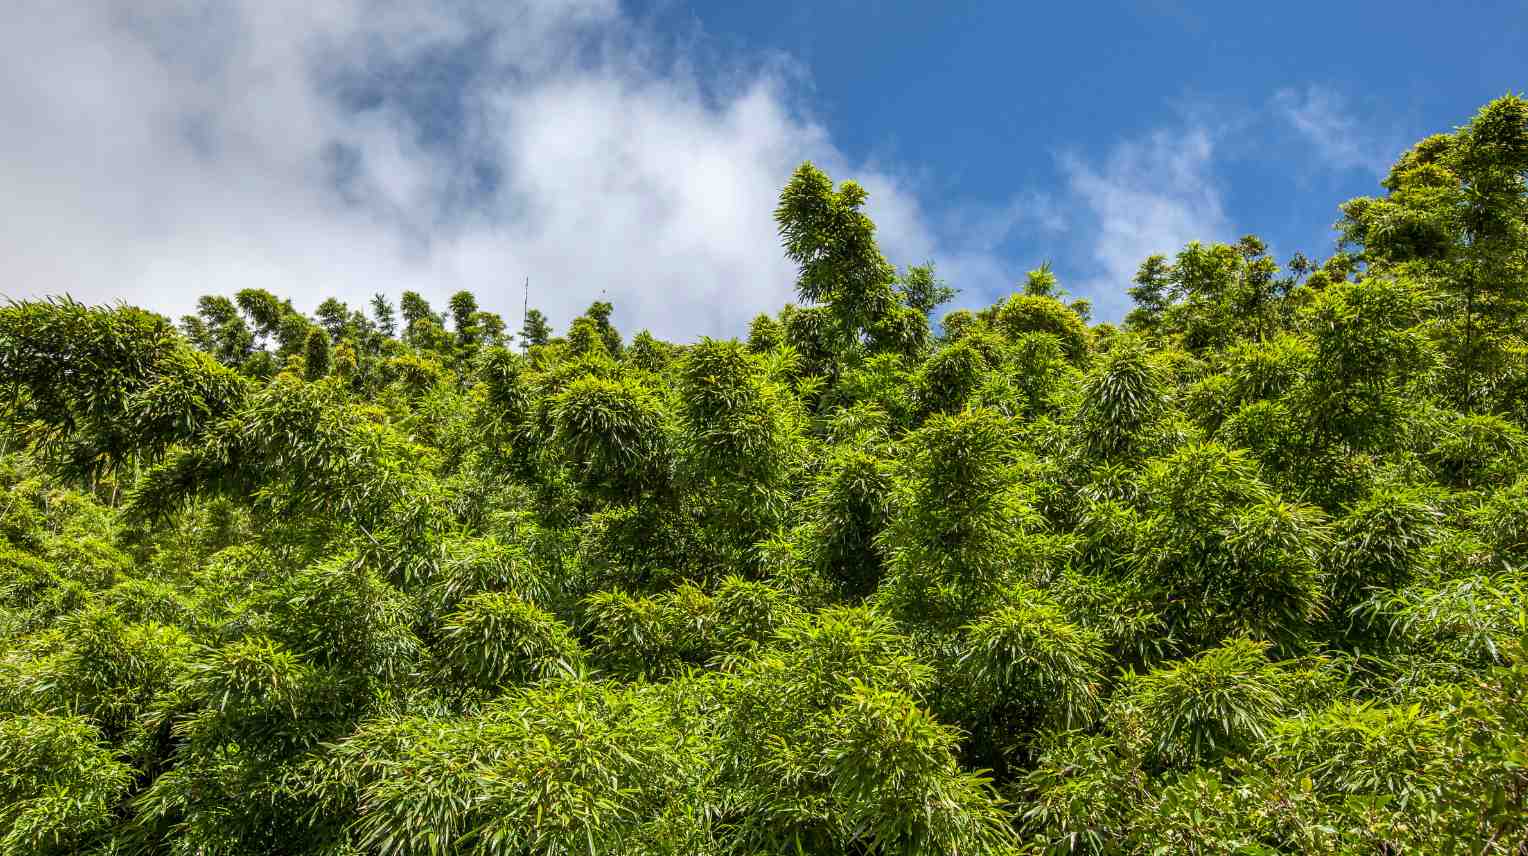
(1241, 573)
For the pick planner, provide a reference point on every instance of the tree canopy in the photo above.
(1242, 573)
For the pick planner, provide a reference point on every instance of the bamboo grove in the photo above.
(1241, 573)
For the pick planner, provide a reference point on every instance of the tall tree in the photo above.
(599, 312)
(464, 308)
(1457, 209)
(535, 330)
(334, 317)
(833, 243)
(316, 355)
(921, 289)
(414, 309)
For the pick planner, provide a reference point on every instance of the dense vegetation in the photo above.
(1243, 573)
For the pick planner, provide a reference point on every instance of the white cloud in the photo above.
(157, 151)
(1325, 119)
(1147, 196)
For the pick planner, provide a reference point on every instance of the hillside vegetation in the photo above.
(1242, 573)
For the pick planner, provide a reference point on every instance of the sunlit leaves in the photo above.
(59, 785)
(613, 433)
(848, 507)
(1364, 749)
(958, 535)
(1244, 575)
(1223, 554)
(1202, 708)
(477, 565)
(495, 638)
(1120, 400)
(825, 232)
(104, 383)
(1023, 313)
(250, 674)
(562, 769)
(1473, 451)
(740, 442)
(896, 784)
(1029, 652)
(1377, 543)
(825, 738)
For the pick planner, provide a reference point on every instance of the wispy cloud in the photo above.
(1324, 117)
(173, 148)
(1151, 195)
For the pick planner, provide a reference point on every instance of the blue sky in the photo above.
(1306, 103)
(170, 148)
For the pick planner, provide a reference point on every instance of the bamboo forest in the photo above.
(1241, 571)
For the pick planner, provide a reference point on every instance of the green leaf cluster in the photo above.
(1244, 573)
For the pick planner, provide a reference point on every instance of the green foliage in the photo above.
(1242, 574)
(958, 536)
(61, 785)
(82, 370)
(316, 356)
(824, 732)
(825, 232)
(495, 638)
(613, 433)
(535, 330)
(1221, 554)
(896, 782)
(1030, 313)
(1478, 450)
(1377, 544)
(739, 441)
(1121, 399)
(921, 289)
(1367, 351)
(558, 769)
(950, 378)
(1028, 652)
(1202, 708)
(1211, 296)
(848, 507)
(1457, 210)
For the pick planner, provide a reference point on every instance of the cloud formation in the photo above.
(166, 149)
(1324, 118)
(1147, 196)
(156, 151)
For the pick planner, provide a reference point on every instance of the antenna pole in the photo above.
(525, 309)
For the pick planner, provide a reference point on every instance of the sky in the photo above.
(156, 151)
